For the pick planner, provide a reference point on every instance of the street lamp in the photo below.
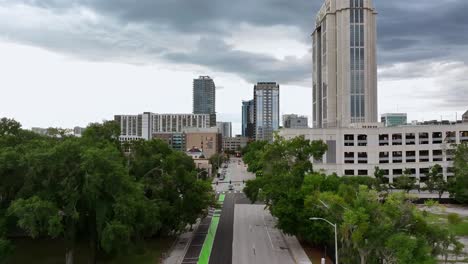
(336, 236)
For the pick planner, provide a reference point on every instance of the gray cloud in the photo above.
(253, 67)
(147, 30)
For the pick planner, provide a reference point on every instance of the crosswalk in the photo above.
(228, 192)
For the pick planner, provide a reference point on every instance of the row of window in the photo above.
(398, 172)
(410, 139)
(397, 156)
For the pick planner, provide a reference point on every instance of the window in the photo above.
(423, 171)
(410, 156)
(362, 140)
(437, 138)
(397, 140)
(437, 155)
(362, 157)
(463, 136)
(349, 172)
(349, 157)
(349, 140)
(424, 156)
(410, 139)
(451, 137)
(363, 173)
(397, 157)
(384, 157)
(383, 140)
(397, 172)
(423, 138)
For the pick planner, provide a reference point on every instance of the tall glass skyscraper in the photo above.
(204, 97)
(344, 64)
(266, 107)
(248, 119)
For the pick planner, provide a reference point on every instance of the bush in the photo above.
(454, 219)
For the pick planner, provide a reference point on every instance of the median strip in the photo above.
(209, 239)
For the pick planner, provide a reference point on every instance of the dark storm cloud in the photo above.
(253, 67)
(408, 31)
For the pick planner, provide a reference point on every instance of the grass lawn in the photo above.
(460, 229)
(44, 251)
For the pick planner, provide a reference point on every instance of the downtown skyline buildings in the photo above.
(204, 97)
(344, 64)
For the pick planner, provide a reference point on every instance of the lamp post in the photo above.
(336, 236)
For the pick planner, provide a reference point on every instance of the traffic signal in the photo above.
(230, 182)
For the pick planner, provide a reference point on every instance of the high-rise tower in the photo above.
(266, 110)
(204, 97)
(344, 64)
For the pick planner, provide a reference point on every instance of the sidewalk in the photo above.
(297, 252)
(180, 247)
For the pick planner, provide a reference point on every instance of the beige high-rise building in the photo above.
(344, 64)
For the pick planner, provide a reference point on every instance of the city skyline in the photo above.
(67, 85)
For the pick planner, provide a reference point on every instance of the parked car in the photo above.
(231, 187)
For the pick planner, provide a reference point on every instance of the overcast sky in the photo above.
(71, 62)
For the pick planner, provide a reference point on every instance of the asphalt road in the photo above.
(236, 173)
(256, 240)
(222, 247)
(245, 233)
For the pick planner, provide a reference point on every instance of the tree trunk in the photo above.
(69, 255)
(363, 259)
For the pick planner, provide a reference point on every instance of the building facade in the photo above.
(248, 117)
(208, 140)
(465, 117)
(175, 140)
(358, 150)
(235, 143)
(394, 119)
(143, 126)
(204, 97)
(344, 64)
(225, 128)
(266, 109)
(295, 121)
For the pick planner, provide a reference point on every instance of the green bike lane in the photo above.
(210, 237)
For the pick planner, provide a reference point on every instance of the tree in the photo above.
(216, 160)
(5, 245)
(406, 182)
(80, 189)
(460, 186)
(169, 180)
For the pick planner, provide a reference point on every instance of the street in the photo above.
(244, 233)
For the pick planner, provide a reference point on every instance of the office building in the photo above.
(175, 140)
(357, 144)
(235, 143)
(358, 150)
(143, 126)
(208, 140)
(465, 117)
(295, 121)
(266, 109)
(394, 119)
(204, 98)
(248, 117)
(344, 64)
(225, 128)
